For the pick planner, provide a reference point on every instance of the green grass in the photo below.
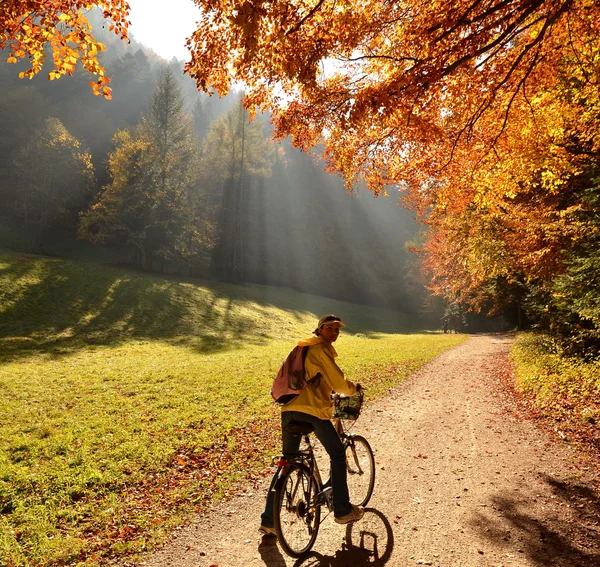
(565, 388)
(131, 402)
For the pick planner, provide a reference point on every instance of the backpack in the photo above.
(290, 380)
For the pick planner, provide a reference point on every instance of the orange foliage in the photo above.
(392, 88)
(514, 215)
(27, 27)
(467, 107)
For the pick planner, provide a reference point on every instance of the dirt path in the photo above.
(461, 481)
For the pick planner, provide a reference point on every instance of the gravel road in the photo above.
(462, 480)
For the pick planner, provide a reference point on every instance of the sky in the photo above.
(164, 26)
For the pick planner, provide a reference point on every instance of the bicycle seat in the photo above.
(300, 427)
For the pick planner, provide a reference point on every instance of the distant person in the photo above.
(313, 406)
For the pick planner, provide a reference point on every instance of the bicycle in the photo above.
(300, 492)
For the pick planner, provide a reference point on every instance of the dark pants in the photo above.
(329, 438)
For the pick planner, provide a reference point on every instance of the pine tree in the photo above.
(154, 203)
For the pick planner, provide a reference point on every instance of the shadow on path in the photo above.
(564, 532)
(368, 542)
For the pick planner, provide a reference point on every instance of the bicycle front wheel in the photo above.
(296, 516)
(360, 464)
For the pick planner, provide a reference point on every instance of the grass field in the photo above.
(129, 402)
(566, 389)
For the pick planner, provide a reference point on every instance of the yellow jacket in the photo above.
(316, 398)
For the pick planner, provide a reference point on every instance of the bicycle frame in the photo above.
(299, 489)
(306, 457)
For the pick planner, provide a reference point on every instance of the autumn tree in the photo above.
(154, 202)
(518, 230)
(52, 174)
(390, 87)
(470, 109)
(401, 94)
(29, 27)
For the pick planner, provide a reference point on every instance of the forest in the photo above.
(481, 119)
(170, 180)
(482, 115)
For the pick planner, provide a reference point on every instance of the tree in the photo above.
(22, 111)
(237, 153)
(202, 118)
(52, 173)
(154, 203)
(28, 27)
(523, 230)
(575, 294)
(391, 88)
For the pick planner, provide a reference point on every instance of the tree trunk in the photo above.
(147, 255)
(239, 236)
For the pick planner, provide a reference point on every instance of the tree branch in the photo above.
(305, 18)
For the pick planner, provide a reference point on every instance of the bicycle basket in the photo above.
(348, 408)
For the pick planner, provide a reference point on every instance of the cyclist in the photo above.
(313, 405)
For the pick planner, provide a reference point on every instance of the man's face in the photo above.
(330, 332)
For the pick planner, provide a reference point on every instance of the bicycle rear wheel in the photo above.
(296, 516)
(360, 464)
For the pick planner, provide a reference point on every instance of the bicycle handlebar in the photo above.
(360, 391)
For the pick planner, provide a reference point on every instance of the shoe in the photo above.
(266, 531)
(356, 514)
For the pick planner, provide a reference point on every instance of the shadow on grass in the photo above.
(59, 307)
(567, 540)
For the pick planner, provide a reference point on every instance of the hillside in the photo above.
(61, 304)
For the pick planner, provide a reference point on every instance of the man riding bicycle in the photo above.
(313, 405)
